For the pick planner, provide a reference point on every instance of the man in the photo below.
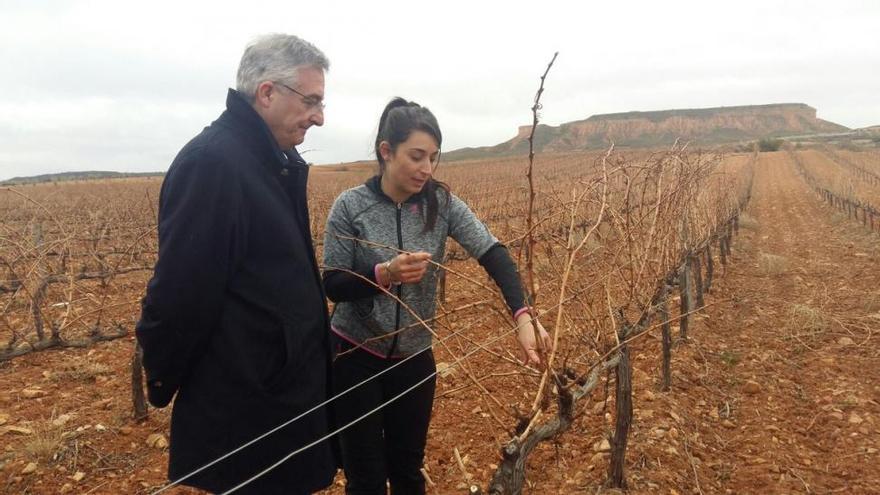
(234, 319)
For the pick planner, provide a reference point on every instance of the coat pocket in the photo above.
(292, 348)
(364, 308)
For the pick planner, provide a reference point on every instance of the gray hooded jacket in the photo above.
(366, 213)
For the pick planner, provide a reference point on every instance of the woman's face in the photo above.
(409, 167)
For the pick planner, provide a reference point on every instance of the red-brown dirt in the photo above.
(777, 389)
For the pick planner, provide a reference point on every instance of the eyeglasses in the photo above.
(310, 101)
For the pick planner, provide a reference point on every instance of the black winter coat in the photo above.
(234, 318)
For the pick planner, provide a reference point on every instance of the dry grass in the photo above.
(47, 443)
(748, 222)
(871, 302)
(804, 319)
(772, 264)
(80, 370)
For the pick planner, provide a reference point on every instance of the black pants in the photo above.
(390, 443)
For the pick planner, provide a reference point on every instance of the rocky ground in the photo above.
(777, 389)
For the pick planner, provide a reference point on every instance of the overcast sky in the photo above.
(117, 85)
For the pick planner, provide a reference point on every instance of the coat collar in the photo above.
(241, 116)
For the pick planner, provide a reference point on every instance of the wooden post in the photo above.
(442, 286)
(710, 267)
(138, 399)
(623, 406)
(697, 271)
(663, 311)
(684, 286)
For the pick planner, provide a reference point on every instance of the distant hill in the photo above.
(660, 128)
(67, 176)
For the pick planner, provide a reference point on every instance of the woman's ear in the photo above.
(385, 150)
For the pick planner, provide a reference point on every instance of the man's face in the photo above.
(288, 114)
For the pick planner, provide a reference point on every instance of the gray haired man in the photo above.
(234, 321)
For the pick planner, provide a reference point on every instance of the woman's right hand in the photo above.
(407, 268)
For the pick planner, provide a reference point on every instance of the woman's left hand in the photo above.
(525, 334)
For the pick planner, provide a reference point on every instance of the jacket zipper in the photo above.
(399, 289)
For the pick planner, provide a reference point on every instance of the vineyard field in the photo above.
(755, 274)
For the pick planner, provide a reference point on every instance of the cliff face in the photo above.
(645, 129)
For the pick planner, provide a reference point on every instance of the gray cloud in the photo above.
(111, 85)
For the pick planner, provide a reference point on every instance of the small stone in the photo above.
(445, 370)
(602, 446)
(32, 393)
(855, 419)
(125, 430)
(845, 341)
(752, 387)
(157, 440)
(21, 430)
(78, 476)
(61, 420)
(30, 468)
(100, 427)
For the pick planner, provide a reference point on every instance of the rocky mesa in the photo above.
(702, 126)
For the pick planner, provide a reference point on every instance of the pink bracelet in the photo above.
(376, 274)
(524, 309)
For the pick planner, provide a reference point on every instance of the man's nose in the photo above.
(317, 117)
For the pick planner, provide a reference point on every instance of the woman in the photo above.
(405, 208)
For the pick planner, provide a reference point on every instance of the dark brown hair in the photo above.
(397, 122)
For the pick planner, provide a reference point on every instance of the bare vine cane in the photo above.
(530, 274)
(573, 251)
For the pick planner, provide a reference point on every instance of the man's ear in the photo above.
(265, 94)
